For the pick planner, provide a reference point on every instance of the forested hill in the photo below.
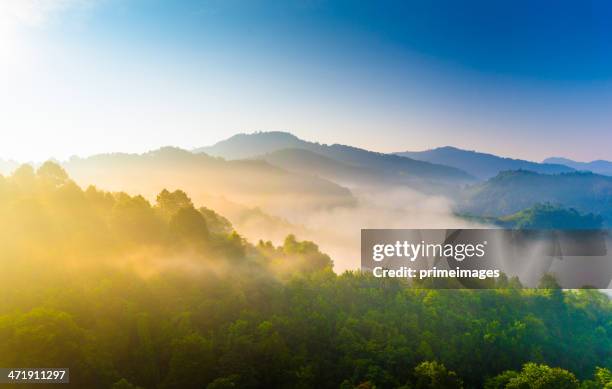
(513, 191)
(548, 216)
(245, 182)
(543, 216)
(130, 294)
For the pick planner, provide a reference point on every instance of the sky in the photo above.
(516, 78)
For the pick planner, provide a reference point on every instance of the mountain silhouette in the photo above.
(249, 182)
(599, 166)
(482, 165)
(513, 191)
(260, 143)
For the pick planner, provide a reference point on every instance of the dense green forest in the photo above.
(543, 216)
(131, 294)
(513, 191)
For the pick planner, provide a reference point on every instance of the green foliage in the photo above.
(172, 202)
(217, 223)
(513, 191)
(191, 363)
(433, 375)
(548, 216)
(132, 295)
(188, 224)
(602, 380)
(534, 376)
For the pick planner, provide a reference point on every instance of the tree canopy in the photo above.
(134, 295)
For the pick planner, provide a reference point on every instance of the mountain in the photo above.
(599, 166)
(548, 216)
(260, 143)
(241, 146)
(249, 182)
(542, 216)
(308, 162)
(512, 191)
(482, 165)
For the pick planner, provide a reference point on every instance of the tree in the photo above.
(501, 381)
(133, 220)
(434, 375)
(191, 363)
(24, 177)
(603, 377)
(189, 224)
(171, 202)
(534, 376)
(52, 174)
(304, 256)
(603, 380)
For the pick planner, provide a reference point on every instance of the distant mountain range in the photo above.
(284, 174)
(342, 159)
(354, 177)
(308, 162)
(599, 166)
(513, 191)
(482, 165)
(249, 182)
(508, 186)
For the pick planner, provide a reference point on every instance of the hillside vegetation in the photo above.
(544, 216)
(512, 191)
(246, 182)
(548, 216)
(167, 295)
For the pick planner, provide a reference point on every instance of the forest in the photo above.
(130, 292)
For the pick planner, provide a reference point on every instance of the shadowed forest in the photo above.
(130, 294)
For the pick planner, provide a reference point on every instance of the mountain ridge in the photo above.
(512, 191)
(480, 164)
(253, 145)
(268, 186)
(599, 166)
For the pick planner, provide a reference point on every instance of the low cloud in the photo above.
(337, 231)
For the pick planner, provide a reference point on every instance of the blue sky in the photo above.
(522, 78)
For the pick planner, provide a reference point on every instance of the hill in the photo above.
(542, 216)
(137, 294)
(308, 162)
(513, 191)
(253, 183)
(599, 166)
(482, 165)
(260, 143)
(548, 216)
(241, 146)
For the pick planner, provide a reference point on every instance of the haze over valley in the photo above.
(271, 184)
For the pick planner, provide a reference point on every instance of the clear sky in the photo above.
(517, 78)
